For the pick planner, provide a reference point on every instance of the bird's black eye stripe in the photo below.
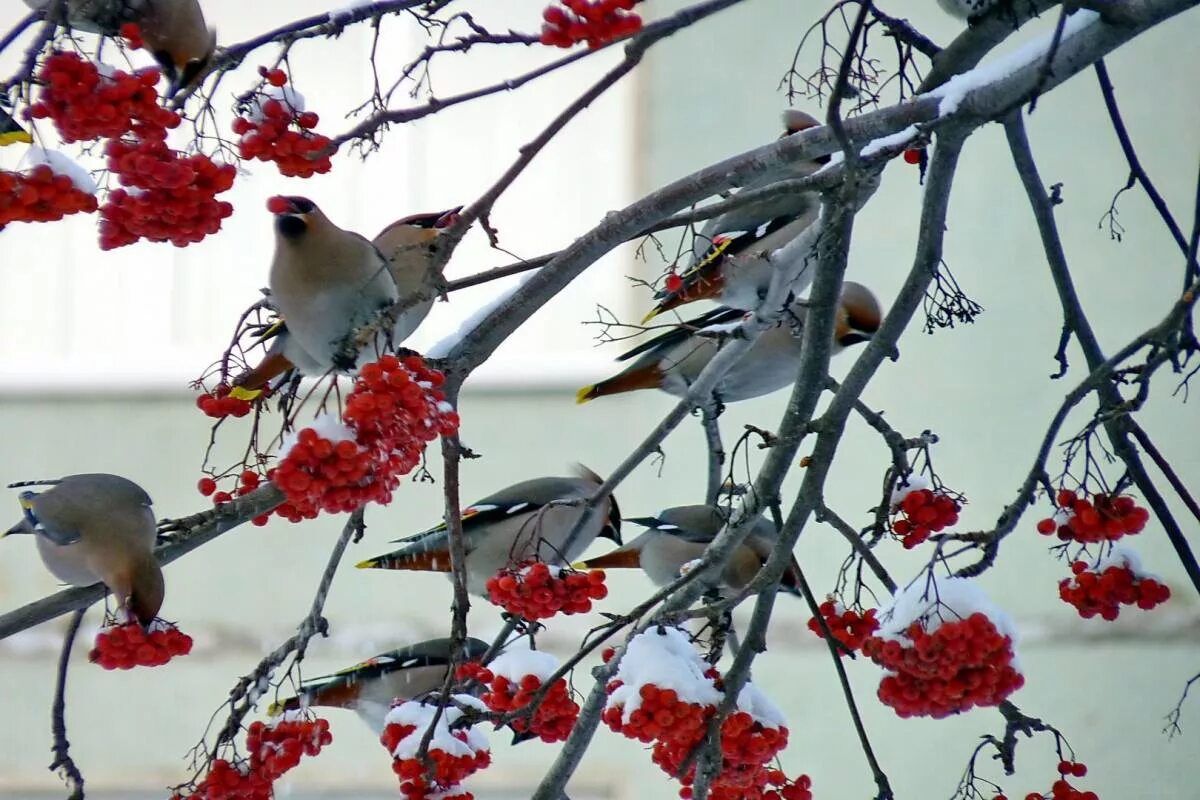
(302, 205)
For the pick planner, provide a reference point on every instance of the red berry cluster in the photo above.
(924, 512)
(448, 770)
(662, 716)
(131, 32)
(273, 750)
(1104, 592)
(1105, 517)
(248, 481)
(535, 590)
(913, 155)
(676, 725)
(554, 716)
(752, 781)
(397, 404)
(1062, 788)
(747, 745)
(673, 282)
(276, 748)
(847, 626)
(172, 196)
(229, 780)
(129, 645)
(40, 195)
(393, 411)
(273, 138)
(595, 21)
(85, 105)
(219, 404)
(962, 664)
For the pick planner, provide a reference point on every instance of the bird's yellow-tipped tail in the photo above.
(17, 136)
(278, 707)
(652, 313)
(648, 376)
(250, 383)
(242, 393)
(621, 558)
(431, 561)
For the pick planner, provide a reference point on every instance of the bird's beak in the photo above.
(18, 528)
(447, 218)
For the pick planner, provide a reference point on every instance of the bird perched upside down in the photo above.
(676, 537)
(369, 688)
(327, 282)
(527, 521)
(174, 32)
(727, 261)
(97, 528)
(673, 360)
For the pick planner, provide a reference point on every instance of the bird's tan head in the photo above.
(294, 216)
(192, 63)
(795, 121)
(418, 228)
(144, 590)
(859, 316)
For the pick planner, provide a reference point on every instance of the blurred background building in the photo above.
(96, 351)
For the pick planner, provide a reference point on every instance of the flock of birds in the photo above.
(327, 282)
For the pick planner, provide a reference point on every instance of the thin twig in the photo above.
(716, 454)
(245, 694)
(58, 723)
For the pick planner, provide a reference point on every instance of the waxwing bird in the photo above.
(10, 131)
(97, 528)
(369, 688)
(526, 521)
(174, 32)
(325, 282)
(726, 262)
(677, 536)
(673, 360)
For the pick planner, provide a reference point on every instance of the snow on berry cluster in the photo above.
(1102, 518)
(535, 590)
(129, 645)
(453, 754)
(171, 196)
(513, 679)
(1116, 580)
(49, 187)
(1062, 789)
(394, 410)
(664, 692)
(219, 403)
(847, 625)
(274, 749)
(596, 22)
(946, 648)
(86, 104)
(276, 128)
(921, 511)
